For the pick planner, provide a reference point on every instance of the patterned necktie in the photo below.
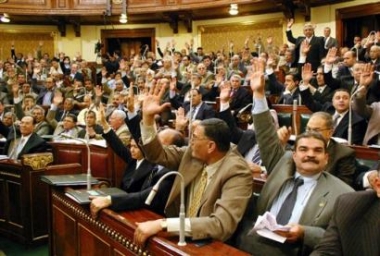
(336, 120)
(196, 200)
(256, 157)
(287, 206)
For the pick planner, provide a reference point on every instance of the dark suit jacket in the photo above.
(35, 144)
(354, 228)
(278, 88)
(359, 124)
(138, 182)
(244, 139)
(315, 54)
(240, 99)
(205, 111)
(41, 90)
(325, 96)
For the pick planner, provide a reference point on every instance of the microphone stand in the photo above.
(86, 142)
(152, 194)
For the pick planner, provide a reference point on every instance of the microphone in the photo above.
(66, 136)
(295, 108)
(153, 193)
(14, 134)
(360, 88)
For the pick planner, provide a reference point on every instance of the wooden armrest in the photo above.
(58, 169)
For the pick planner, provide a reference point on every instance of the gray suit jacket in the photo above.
(371, 113)
(225, 198)
(319, 208)
(354, 228)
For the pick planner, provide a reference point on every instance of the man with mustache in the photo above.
(298, 192)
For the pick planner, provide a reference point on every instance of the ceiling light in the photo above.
(233, 9)
(5, 18)
(123, 18)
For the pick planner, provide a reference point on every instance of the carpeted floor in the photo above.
(10, 248)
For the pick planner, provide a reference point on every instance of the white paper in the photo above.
(266, 225)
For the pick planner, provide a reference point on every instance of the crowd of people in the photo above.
(159, 115)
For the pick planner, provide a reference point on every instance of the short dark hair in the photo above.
(72, 116)
(310, 134)
(217, 130)
(33, 119)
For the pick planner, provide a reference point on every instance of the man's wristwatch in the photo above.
(164, 224)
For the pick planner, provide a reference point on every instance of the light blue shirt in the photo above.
(303, 194)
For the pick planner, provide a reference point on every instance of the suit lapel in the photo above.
(142, 171)
(316, 203)
(192, 168)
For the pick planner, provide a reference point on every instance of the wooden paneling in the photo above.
(64, 233)
(23, 209)
(115, 231)
(105, 164)
(90, 243)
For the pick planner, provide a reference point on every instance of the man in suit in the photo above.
(316, 52)
(288, 91)
(45, 92)
(339, 109)
(218, 181)
(199, 109)
(240, 97)
(25, 141)
(321, 93)
(314, 197)
(329, 42)
(117, 123)
(92, 128)
(139, 177)
(355, 225)
(68, 108)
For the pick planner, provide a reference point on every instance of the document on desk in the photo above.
(81, 196)
(266, 225)
(4, 157)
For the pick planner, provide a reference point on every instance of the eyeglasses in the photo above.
(308, 129)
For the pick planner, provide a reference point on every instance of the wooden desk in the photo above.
(74, 232)
(363, 152)
(105, 164)
(23, 211)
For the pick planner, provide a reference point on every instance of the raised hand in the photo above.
(305, 47)
(58, 98)
(225, 91)
(15, 88)
(102, 117)
(151, 104)
(366, 76)
(331, 55)
(290, 23)
(131, 100)
(181, 121)
(307, 73)
(257, 82)
(283, 134)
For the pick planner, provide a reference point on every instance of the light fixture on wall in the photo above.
(123, 16)
(233, 9)
(5, 18)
